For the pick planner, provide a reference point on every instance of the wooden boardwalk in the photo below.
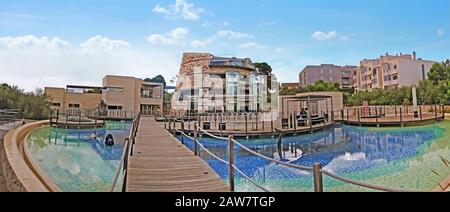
(162, 164)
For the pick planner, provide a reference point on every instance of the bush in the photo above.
(34, 105)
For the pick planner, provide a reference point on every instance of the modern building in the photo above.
(132, 94)
(219, 84)
(118, 93)
(328, 73)
(391, 71)
(74, 97)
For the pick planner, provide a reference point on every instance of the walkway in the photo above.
(162, 164)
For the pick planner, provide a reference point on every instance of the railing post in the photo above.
(231, 162)
(359, 117)
(401, 116)
(318, 179)
(376, 116)
(348, 116)
(182, 132)
(195, 140)
(246, 124)
(271, 121)
(420, 112)
(221, 125)
(57, 116)
(165, 123)
(435, 112)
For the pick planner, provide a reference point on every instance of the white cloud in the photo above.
(322, 36)
(227, 34)
(234, 35)
(102, 44)
(279, 50)
(32, 62)
(173, 37)
(181, 9)
(202, 43)
(440, 32)
(252, 45)
(205, 24)
(269, 23)
(31, 42)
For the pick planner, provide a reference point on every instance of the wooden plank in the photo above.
(160, 163)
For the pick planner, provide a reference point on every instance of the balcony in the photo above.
(236, 63)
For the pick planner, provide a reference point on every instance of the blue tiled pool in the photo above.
(407, 158)
(77, 161)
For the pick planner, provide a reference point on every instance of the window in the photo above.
(395, 77)
(395, 66)
(112, 89)
(112, 107)
(56, 104)
(146, 93)
(74, 105)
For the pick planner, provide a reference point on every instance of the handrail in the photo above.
(223, 161)
(116, 176)
(127, 153)
(304, 168)
(362, 184)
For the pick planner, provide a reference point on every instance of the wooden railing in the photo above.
(127, 153)
(10, 115)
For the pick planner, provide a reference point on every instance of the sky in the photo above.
(55, 43)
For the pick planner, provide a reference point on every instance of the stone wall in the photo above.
(2, 178)
(17, 174)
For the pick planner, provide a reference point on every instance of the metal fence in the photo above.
(10, 116)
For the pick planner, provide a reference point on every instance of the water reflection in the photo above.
(342, 149)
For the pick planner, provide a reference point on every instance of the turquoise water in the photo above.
(77, 161)
(403, 158)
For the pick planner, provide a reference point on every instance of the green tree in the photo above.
(34, 105)
(158, 79)
(263, 68)
(440, 72)
(431, 93)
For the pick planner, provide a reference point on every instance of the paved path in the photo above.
(162, 164)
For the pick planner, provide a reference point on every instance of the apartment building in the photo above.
(208, 83)
(118, 93)
(391, 71)
(328, 73)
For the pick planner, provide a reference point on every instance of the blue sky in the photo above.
(54, 43)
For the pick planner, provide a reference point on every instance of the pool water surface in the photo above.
(402, 158)
(78, 160)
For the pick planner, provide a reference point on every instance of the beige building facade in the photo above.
(69, 98)
(118, 93)
(133, 94)
(391, 71)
